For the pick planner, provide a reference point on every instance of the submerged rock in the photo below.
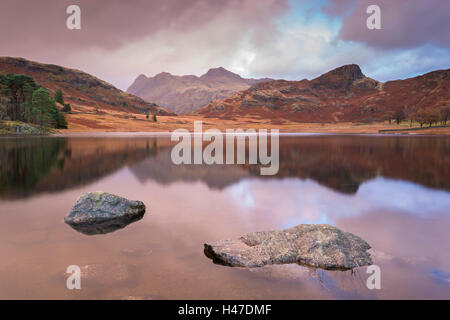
(319, 246)
(107, 274)
(101, 212)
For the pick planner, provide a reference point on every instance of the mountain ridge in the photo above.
(79, 87)
(342, 94)
(186, 93)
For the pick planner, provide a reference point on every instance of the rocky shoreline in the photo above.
(16, 128)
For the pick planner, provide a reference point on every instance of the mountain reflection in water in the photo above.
(341, 163)
(392, 191)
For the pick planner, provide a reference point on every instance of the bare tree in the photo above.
(399, 116)
(445, 114)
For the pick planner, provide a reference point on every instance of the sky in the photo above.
(281, 39)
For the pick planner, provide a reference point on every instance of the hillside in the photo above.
(343, 94)
(182, 94)
(80, 89)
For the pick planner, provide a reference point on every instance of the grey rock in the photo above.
(21, 129)
(319, 246)
(101, 212)
(24, 128)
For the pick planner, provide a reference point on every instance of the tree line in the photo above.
(22, 99)
(422, 116)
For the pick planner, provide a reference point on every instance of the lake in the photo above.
(393, 191)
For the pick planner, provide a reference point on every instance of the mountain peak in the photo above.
(141, 77)
(219, 72)
(348, 71)
(341, 77)
(163, 75)
(189, 92)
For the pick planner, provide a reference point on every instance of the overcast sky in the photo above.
(290, 39)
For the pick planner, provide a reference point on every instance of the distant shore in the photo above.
(108, 122)
(84, 125)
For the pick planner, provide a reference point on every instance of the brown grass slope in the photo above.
(343, 94)
(79, 88)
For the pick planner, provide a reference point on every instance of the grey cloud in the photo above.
(134, 36)
(405, 24)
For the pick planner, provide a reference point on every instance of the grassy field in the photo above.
(87, 120)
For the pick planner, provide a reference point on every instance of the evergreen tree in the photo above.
(28, 115)
(61, 122)
(59, 96)
(42, 107)
(18, 88)
(58, 120)
(30, 102)
(67, 108)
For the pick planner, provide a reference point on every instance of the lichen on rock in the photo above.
(101, 212)
(320, 246)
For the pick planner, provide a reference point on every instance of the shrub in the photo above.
(59, 96)
(67, 108)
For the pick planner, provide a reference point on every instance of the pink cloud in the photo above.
(120, 39)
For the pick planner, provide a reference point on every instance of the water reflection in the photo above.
(306, 201)
(106, 226)
(391, 191)
(34, 165)
(341, 163)
(26, 162)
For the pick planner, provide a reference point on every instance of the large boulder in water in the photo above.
(320, 246)
(101, 212)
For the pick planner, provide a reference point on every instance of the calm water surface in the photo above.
(393, 191)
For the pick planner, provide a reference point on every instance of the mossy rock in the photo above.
(101, 212)
(21, 128)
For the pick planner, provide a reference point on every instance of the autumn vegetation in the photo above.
(424, 116)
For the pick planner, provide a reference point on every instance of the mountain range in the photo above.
(343, 94)
(79, 88)
(181, 94)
